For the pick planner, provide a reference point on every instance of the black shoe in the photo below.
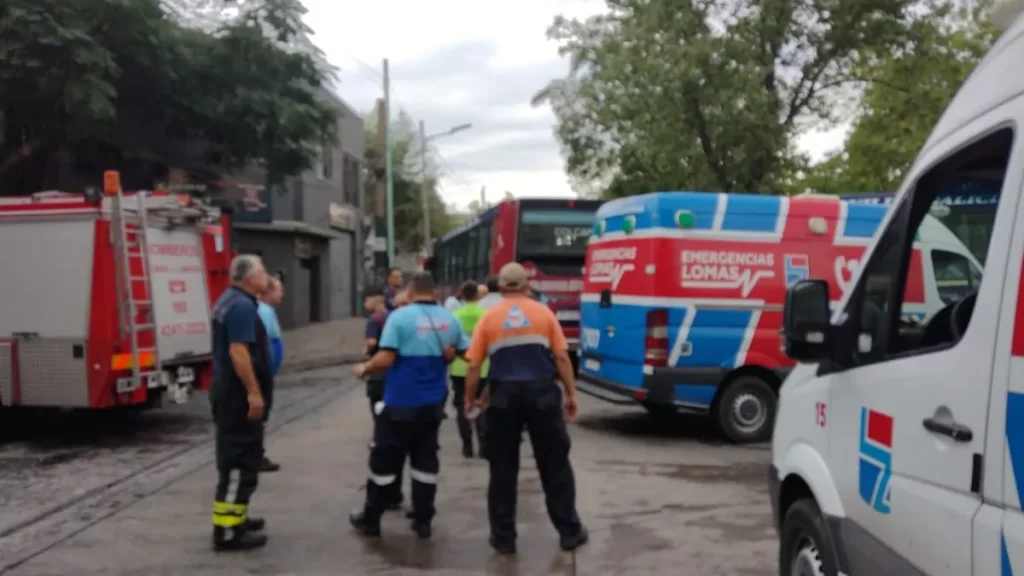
(255, 524)
(422, 529)
(503, 546)
(359, 521)
(570, 543)
(245, 540)
(268, 466)
(410, 515)
(396, 505)
(467, 450)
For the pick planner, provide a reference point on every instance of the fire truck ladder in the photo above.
(128, 228)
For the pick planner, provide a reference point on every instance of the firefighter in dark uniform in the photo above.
(242, 373)
(418, 342)
(527, 351)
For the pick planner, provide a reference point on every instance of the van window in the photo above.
(895, 310)
(955, 275)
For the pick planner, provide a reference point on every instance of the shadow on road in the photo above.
(47, 429)
(640, 424)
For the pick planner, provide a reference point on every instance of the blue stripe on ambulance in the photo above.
(862, 221)
(751, 213)
(715, 338)
(1015, 446)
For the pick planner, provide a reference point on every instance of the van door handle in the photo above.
(957, 432)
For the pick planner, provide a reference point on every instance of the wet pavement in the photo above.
(658, 499)
(324, 344)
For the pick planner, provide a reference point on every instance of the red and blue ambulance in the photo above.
(681, 309)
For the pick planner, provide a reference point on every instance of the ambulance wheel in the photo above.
(746, 410)
(805, 548)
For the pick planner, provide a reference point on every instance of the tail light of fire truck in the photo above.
(656, 340)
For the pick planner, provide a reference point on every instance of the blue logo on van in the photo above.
(798, 267)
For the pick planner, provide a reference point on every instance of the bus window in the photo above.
(554, 232)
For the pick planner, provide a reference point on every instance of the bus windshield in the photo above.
(554, 232)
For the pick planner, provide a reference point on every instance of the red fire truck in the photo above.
(105, 297)
(547, 235)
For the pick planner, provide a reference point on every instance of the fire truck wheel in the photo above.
(746, 410)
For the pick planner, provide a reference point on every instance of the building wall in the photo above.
(308, 198)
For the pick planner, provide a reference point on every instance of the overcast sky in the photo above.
(461, 61)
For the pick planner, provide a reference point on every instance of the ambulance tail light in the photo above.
(656, 341)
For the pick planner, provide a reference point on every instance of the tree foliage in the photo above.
(408, 178)
(98, 84)
(908, 91)
(709, 94)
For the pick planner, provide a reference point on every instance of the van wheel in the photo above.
(746, 410)
(805, 548)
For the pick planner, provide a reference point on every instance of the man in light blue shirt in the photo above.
(272, 297)
(418, 342)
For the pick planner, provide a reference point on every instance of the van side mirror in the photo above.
(806, 321)
(428, 264)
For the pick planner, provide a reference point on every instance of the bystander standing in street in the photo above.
(415, 348)
(527, 352)
(453, 302)
(269, 300)
(493, 293)
(241, 370)
(468, 315)
(392, 287)
(373, 301)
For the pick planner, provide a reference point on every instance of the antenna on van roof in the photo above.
(1005, 12)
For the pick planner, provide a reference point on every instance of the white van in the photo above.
(899, 448)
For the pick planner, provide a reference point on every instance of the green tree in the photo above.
(908, 89)
(99, 84)
(707, 94)
(407, 182)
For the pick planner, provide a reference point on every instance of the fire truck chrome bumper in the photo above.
(130, 384)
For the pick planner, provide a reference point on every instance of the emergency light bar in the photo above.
(1005, 12)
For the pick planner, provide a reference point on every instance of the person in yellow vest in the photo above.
(468, 314)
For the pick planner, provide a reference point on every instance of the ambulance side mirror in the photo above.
(806, 321)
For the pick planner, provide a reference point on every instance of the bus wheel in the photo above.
(746, 409)
(805, 548)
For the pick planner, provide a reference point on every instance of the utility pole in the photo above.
(388, 167)
(424, 192)
(381, 193)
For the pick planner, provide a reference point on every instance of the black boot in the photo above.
(422, 529)
(574, 541)
(269, 466)
(467, 450)
(364, 525)
(255, 524)
(239, 539)
(503, 546)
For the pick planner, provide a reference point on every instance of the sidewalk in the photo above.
(324, 461)
(324, 344)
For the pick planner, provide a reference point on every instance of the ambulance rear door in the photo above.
(181, 305)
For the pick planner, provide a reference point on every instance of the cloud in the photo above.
(454, 62)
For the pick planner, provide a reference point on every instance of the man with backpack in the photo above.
(374, 300)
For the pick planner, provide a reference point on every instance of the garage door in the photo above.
(343, 275)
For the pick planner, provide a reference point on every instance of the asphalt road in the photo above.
(659, 498)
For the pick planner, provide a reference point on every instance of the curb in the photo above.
(308, 364)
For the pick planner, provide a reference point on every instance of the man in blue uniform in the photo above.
(270, 299)
(418, 342)
(242, 371)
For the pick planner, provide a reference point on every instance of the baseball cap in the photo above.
(513, 277)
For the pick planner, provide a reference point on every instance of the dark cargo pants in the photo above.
(537, 406)
(239, 450)
(394, 438)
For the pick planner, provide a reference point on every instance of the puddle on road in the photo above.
(740, 473)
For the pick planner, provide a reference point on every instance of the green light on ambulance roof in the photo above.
(599, 227)
(685, 219)
(629, 224)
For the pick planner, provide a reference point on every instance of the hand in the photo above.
(449, 353)
(570, 408)
(359, 370)
(468, 404)
(256, 406)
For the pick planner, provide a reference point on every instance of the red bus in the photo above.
(546, 235)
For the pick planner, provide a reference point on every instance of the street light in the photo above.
(424, 193)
